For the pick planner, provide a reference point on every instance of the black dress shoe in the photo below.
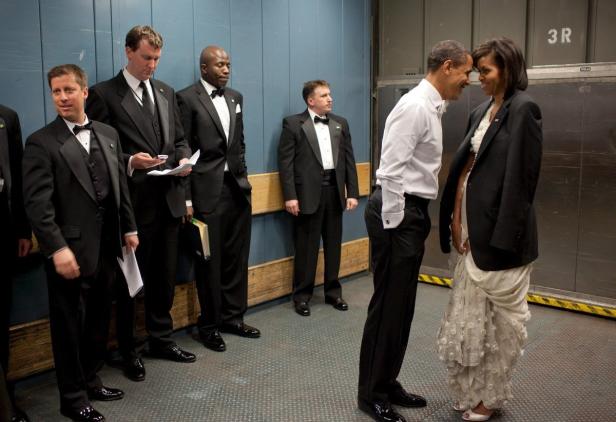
(379, 411)
(241, 329)
(133, 369)
(302, 308)
(85, 414)
(19, 415)
(213, 341)
(402, 398)
(173, 353)
(103, 393)
(337, 303)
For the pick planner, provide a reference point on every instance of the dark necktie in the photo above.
(318, 119)
(77, 128)
(220, 92)
(145, 98)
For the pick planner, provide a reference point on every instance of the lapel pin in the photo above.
(1, 125)
(111, 146)
(496, 120)
(232, 100)
(161, 90)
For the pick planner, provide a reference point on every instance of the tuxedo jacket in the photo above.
(301, 167)
(11, 150)
(204, 132)
(113, 102)
(60, 198)
(501, 186)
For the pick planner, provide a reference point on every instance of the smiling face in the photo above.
(320, 101)
(456, 78)
(69, 97)
(143, 61)
(491, 77)
(216, 66)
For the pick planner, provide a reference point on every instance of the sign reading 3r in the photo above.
(565, 35)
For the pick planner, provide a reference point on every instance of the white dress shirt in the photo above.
(411, 151)
(325, 142)
(83, 136)
(221, 108)
(133, 83)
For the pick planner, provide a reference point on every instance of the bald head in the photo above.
(215, 66)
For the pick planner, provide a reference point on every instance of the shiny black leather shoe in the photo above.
(302, 308)
(241, 329)
(103, 393)
(19, 415)
(405, 399)
(172, 353)
(134, 369)
(379, 411)
(213, 341)
(85, 414)
(337, 303)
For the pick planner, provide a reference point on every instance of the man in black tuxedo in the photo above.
(145, 114)
(316, 165)
(15, 241)
(220, 196)
(76, 197)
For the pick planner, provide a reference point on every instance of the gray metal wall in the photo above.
(550, 32)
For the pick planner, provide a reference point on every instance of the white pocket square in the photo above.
(238, 109)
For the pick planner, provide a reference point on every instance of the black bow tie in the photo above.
(318, 119)
(219, 92)
(77, 128)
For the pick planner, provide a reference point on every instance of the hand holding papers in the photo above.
(179, 169)
(131, 272)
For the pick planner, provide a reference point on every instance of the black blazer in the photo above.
(113, 102)
(204, 132)
(59, 194)
(11, 150)
(300, 164)
(501, 186)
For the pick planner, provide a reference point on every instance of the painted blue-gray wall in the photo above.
(275, 46)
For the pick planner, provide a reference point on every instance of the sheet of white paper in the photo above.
(170, 172)
(131, 272)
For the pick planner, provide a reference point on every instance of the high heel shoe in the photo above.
(469, 415)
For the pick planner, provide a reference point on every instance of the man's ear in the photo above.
(447, 66)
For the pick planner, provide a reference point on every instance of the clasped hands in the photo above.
(292, 206)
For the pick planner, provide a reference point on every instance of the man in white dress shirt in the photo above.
(398, 223)
(319, 181)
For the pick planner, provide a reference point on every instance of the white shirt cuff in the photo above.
(189, 203)
(129, 168)
(130, 233)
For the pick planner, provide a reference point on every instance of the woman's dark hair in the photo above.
(508, 58)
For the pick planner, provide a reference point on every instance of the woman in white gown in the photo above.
(487, 215)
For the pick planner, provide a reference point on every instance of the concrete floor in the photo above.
(305, 369)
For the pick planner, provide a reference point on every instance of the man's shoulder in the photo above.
(106, 85)
(188, 90)
(338, 118)
(7, 113)
(162, 87)
(233, 92)
(43, 134)
(104, 127)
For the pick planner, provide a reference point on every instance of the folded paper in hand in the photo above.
(131, 272)
(179, 169)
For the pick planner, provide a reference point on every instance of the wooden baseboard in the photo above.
(30, 343)
(267, 193)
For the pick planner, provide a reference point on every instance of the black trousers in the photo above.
(326, 222)
(222, 281)
(8, 255)
(396, 256)
(79, 314)
(157, 256)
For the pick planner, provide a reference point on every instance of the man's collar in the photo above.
(131, 80)
(433, 96)
(71, 125)
(312, 114)
(208, 86)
